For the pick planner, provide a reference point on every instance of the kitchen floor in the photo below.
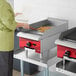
(16, 73)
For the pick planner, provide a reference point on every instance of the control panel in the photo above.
(29, 44)
(65, 51)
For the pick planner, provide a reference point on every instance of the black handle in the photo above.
(67, 53)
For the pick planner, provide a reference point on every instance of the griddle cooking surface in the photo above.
(71, 35)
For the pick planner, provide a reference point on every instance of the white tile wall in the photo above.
(34, 9)
(37, 9)
(65, 9)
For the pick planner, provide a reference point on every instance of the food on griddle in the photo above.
(43, 28)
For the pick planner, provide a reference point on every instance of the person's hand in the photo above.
(24, 25)
(18, 14)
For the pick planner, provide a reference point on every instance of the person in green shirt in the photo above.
(7, 28)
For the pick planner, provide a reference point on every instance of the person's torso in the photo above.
(6, 35)
(6, 41)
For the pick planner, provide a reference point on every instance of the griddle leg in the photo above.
(41, 56)
(22, 69)
(63, 63)
(26, 53)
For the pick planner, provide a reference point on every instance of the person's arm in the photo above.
(7, 18)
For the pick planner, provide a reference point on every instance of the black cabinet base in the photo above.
(28, 68)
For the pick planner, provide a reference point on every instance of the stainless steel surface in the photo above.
(63, 63)
(47, 64)
(68, 68)
(65, 43)
(51, 74)
(22, 68)
(47, 72)
(34, 58)
(48, 37)
(58, 26)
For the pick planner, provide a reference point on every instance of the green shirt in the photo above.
(7, 26)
